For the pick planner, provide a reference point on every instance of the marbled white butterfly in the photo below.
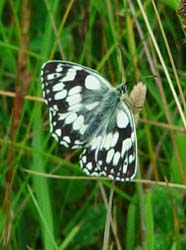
(86, 111)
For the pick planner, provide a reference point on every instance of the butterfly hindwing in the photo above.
(113, 153)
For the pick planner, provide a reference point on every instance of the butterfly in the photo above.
(85, 111)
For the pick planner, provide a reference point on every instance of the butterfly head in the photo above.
(122, 89)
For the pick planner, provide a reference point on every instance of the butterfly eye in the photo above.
(85, 112)
(122, 89)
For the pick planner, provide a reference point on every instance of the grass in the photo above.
(47, 202)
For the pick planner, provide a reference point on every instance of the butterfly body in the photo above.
(86, 111)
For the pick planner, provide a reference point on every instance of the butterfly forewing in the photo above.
(85, 110)
(72, 93)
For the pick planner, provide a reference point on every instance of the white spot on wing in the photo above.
(112, 171)
(86, 171)
(110, 154)
(74, 99)
(74, 90)
(116, 158)
(77, 67)
(100, 162)
(55, 136)
(58, 87)
(103, 173)
(103, 141)
(78, 123)
(91, 82)
(126, 145)
(111, 176)
(60, 95)
(75, 107)
(108, 141)
(66, 139)
(89, 166)
(72, 117)
(132, 136)
(122, 119)
(96, 142)
(131, 158)
(64, 143)
(55, 107)
(84, 159)
(125, 165)
(114, 139)
(70, 75)
(77, 144)
(59, 67)
(91, 105)
(83, 129)
(58, 132)
(95, 174)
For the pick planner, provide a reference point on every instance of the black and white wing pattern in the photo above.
(113, 153)
(85, 111)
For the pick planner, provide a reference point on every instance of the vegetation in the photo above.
(47, 202)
